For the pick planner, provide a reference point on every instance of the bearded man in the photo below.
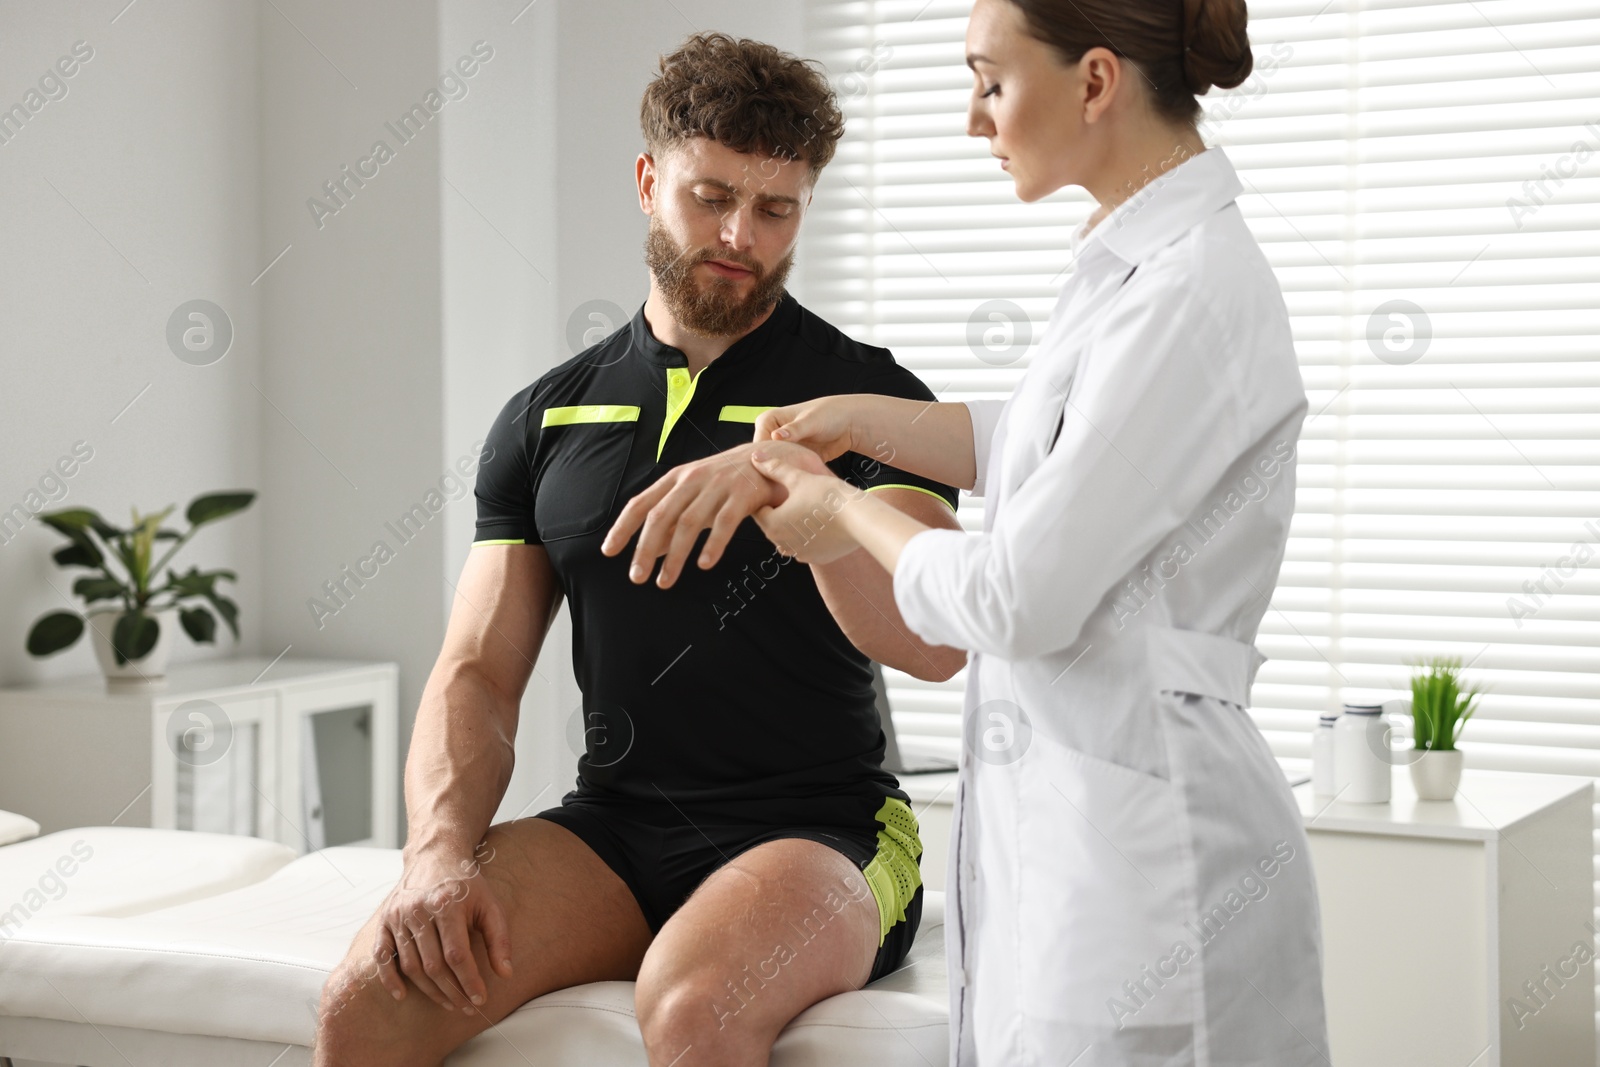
(733, 842)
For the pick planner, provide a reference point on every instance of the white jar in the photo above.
(1322, 761)
(1361, 758)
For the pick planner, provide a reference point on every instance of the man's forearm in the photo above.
(460, 762)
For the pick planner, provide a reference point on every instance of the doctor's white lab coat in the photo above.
(1129, 878)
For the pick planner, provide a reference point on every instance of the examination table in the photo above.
(123, 946)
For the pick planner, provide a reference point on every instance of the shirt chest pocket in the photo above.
(585, 453)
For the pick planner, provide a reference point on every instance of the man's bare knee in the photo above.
(700, 1014)
(355, 1018)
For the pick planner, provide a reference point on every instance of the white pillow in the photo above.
(14, 828)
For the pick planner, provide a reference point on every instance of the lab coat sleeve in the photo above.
(985, 417)
(1152, 421)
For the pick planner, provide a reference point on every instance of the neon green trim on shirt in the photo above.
(915, 489)
(893, 874)
(741, 413)
(518, 541)
(586, 413)
(680, 390)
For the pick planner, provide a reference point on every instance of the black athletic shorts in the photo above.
(663, 858)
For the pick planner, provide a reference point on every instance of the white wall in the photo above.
(132, 194)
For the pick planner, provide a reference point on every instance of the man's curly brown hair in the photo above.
(745, 95)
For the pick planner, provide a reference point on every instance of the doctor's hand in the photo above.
(810, 523)
(718, 492)
(826, 425)
(425, 929)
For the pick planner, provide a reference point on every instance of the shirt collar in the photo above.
(785, 315)
(1163, 210)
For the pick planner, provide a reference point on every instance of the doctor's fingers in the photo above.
(778, 463)
(769, 421)
(780, 533)
(816, 425)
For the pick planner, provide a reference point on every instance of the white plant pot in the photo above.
(1436, 774)
(152, 667)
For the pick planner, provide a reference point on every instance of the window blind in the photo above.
(1424, 176)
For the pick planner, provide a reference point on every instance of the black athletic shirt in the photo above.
(734, 690)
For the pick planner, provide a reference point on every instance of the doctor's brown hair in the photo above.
(745, 95)
(1184, 47)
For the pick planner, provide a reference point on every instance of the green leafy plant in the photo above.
(137, 629)
(1439, 706)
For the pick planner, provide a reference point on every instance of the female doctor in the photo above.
(1129, 876)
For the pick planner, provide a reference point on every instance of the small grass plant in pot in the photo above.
(128, 613)
(1440, 707)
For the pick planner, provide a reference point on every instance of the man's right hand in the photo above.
(426, 926)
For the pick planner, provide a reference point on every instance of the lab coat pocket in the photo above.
(1106, 886)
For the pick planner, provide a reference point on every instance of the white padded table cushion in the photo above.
(14, 827)
(124, 870)
(251, 964)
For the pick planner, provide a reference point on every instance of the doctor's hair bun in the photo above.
(1183, 47)
(1216, 44)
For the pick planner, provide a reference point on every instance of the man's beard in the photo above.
(716, 310)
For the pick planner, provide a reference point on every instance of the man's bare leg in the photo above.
(781, 927)
(572, 921)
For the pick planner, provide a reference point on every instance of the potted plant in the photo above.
(1439, 709)
(124, 610)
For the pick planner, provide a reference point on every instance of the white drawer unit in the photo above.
(1460, 931)
(304, 752)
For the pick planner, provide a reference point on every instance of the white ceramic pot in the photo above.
(152, 667)
(1436, 774)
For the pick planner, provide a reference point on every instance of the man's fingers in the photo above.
(426, 940)
(722, 531)
(456, 946)
(660, 527)
(386, 957)
(691, 523)
(411, 966)
(496, 934)
(633, 516)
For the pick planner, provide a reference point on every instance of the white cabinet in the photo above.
(1459, 932)
(304, 752)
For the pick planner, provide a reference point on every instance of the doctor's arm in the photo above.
(927, 438)
(1155, 418)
